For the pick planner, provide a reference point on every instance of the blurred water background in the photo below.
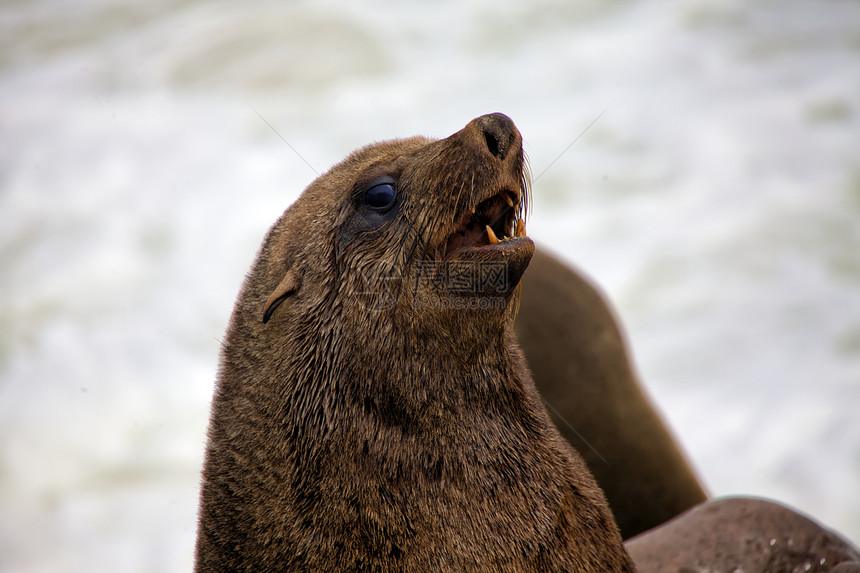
(716, 199)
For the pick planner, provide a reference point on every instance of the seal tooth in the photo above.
(521, 228)
(508, 199)
(492, 236)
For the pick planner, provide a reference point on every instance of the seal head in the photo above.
(373, 411)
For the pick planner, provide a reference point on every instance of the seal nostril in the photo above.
(498, 130)
(493, 145)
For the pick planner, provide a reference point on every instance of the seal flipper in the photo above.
(288, 285)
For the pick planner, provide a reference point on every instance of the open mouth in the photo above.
(492, 221)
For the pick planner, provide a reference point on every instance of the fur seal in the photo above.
(579, 361)
(742, 534)
(373, 410)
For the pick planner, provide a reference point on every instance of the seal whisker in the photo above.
(574, 430)
(287, 142)
(575, 139)
(526, 188)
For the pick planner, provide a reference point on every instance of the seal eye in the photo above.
(380, 197)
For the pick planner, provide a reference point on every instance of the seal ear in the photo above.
(288, 285)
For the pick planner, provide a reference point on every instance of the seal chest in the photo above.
(372, 409)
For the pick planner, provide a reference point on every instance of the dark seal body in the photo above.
(743, 534)
(373, 411)
(577, 354)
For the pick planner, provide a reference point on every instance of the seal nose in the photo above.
(499, 132)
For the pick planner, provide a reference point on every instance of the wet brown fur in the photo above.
(362, 429)
(577, 354)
